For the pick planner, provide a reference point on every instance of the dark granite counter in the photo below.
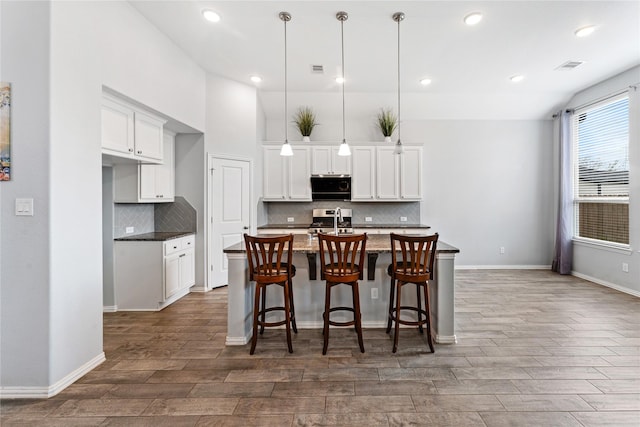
(399, 226)
(154, 237)
(287, 225)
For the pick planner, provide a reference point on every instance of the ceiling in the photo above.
(469, 66)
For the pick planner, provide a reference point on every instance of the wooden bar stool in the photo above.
(266, 267)
(412, 260)
(345, 262)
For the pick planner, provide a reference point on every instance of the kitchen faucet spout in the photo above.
(337, 212)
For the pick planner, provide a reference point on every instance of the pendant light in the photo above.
(344, 147)
(399, 149)
(286, 147)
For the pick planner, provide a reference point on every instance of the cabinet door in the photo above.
(148, 137)
(157, 182)
(363, 181)
(388, 174)
(171, 275)
(187, 269)
(117, 127)
(340, 165)
(300, 174)
(321, 160)
(411, 174)
(274, 173)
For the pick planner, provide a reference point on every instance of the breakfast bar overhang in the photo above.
(309, 289)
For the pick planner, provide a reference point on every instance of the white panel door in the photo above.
(230, 212)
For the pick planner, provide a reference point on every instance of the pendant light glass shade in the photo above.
(344, 147)
(399, 149)
(286, 147)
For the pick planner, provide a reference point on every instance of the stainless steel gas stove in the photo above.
(323, 221)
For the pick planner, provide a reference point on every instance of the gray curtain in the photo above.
(563, 256)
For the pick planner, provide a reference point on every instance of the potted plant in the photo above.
(305, 120)
(387, 122)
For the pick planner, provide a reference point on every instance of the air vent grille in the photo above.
(317, 69)
(570, 65)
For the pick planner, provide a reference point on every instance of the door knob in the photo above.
(245, 227)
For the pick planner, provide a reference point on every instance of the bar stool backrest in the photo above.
(345, 256)
(413, 257)
(265, 257)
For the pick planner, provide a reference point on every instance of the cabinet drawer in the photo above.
(188, 242)
(172, 246)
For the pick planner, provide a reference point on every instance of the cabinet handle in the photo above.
(139, 151)
(175, 247)
(131, 150)
(182, 255)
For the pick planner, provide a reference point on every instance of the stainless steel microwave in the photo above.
(330, 187)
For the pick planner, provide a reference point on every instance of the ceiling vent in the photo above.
(317, 69)
(570, 65)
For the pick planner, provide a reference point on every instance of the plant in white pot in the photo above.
(387, 122)
(305, 120)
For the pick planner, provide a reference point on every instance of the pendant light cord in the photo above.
(343, 78)
(399, 79)
(286, 111)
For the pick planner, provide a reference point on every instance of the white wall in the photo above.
(52, 263)
(25, 241)
(597, 263)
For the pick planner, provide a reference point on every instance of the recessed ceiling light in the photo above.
(473, 18)
(256, 79)
(210, 15)
(340, 80)
(516, 78)
(584, 31)
(425, 82)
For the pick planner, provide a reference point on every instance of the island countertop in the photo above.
(375, 243)
(155, 236)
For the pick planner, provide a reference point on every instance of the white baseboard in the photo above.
(199, 288)
(236, 340)
(607, 284)
(46, 392)
(446, 339)
(109, 308)
(503, 267)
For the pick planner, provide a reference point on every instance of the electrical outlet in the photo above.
(368, 219)
(290, 219)
(625, 267)
(403, 219)
(129, 230)
(501, 250)
(374, 293)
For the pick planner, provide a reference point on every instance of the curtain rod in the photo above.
(595, 101)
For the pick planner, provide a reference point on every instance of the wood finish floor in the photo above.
(535, 349)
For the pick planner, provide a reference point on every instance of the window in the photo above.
(601, 170)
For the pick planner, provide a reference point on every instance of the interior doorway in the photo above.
(229, 209)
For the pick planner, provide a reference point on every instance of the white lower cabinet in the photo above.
(150, 275)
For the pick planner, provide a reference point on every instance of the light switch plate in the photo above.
(290, 219)
(403, 219)
(368, 219)
(129, 230)
(24, 207)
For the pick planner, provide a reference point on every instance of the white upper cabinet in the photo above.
(388, 174)
(363, 180)
(411, 174)
(287, 178)
(325, 161)
(130, 132)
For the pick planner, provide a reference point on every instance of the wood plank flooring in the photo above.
(535, 349)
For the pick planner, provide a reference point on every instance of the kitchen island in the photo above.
(309, 289)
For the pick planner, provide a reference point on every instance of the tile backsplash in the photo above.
(150, 217)
(380, 213)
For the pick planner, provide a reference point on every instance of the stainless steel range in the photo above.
(323, 221)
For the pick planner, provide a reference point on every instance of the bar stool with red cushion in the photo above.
(345, 261)
(267, 267)
(412, 261)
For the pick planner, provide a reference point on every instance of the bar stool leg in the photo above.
(293, 310)
(325, 315)
(392, 293)
(397, 329)
(418, 286)
(287, 315)
(264, 304)
(256, 313)
(428, 310)
(357, 316)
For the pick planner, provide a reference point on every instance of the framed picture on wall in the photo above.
(5, 131)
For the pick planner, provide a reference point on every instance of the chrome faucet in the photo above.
(336, 213)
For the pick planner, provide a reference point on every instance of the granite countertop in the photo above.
(375, 243)
(157, 236)
(366, 225)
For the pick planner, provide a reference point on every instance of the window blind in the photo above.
(601, 170)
